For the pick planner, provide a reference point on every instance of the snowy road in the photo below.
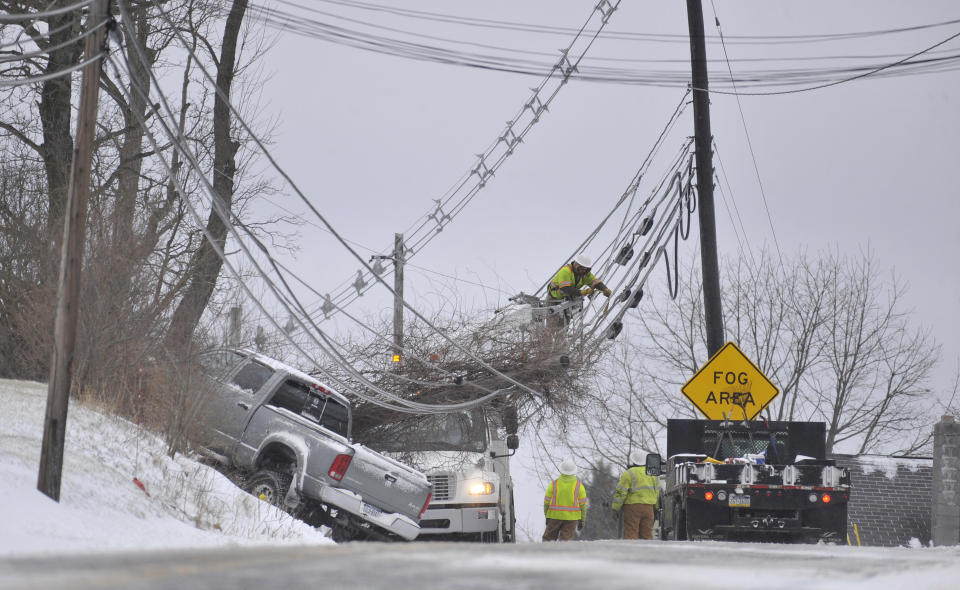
(588, 565)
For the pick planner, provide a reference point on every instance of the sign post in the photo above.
(730, 386)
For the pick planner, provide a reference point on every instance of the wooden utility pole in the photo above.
(71, 260)
(398, 261)
(713, 310)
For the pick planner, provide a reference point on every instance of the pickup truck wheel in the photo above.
(268, 485)
(340, 534)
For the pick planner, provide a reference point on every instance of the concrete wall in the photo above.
(945, 517)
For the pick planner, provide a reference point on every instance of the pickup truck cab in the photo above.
(289, 435)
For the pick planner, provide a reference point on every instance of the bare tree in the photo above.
(206, 263)
(140, 238)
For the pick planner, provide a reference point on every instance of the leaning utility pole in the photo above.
(71, 260)
(713, 310)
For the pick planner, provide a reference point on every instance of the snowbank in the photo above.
(185, 503)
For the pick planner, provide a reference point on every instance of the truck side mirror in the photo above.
(654, 465)
(513, 442)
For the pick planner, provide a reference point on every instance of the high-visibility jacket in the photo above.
(566, 278)
(566, 499)
(636, 487)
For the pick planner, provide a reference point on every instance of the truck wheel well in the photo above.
(278, 457)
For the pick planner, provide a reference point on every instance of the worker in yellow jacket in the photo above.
(637, 494)
(565, 504)
(575, 280)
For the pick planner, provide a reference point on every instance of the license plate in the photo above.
(371, 510)
(739, 500)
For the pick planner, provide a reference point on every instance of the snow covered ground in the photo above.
(101, 508)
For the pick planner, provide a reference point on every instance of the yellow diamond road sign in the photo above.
(730, 386)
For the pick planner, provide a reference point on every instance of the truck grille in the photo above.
(444, 486)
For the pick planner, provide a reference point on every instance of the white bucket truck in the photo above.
(466, 458)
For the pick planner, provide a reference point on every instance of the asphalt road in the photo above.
(451, 566)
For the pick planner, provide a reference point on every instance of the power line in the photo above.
(51, 75)
(458, 279)
(489, 161)
(746, 132)
(616, 35)
(61, 45)
(266, 152)
(17, 41)
(845, 80)
(406, 405)
(11, 17)
(666, 78)
(736, 209)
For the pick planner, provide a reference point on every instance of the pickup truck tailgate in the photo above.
(387, 484)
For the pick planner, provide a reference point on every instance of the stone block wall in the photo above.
(890, 499)
(945, 520)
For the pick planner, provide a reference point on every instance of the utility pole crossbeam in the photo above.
(71, 261)
(713, 310)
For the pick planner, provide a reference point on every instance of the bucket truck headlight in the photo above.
(480, 488)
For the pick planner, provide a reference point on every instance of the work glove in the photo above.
(606, 291)
(580, 525)
(586, 291)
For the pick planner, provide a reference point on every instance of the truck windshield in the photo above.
(463, 431)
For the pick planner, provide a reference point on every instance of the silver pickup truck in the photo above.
(289, 435)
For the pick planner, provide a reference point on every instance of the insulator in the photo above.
(637, 296)
(624, 295)
(626, 253)
(644, 260)
(645, 226)
(613, 330)
(359, 284)
(327, 306)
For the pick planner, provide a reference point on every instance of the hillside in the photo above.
(183, 503)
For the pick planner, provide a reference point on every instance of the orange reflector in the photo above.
(826, 498)
(708, 496)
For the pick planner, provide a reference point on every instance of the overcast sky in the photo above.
(870, 164)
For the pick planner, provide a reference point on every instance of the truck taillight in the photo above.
(826, 498)
(425, 504)
(339, 466)
(708, 496)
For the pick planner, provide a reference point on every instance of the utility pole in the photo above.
(71, 261)
(398, 259)
(398, 256)
(713, 310)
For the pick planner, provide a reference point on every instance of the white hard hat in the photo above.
(584, 260)
(638, 457)
(568, 467)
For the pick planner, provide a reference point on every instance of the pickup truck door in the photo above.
(229, 406)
